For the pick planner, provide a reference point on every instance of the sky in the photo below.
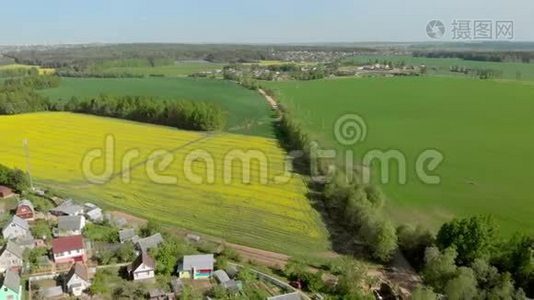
(26, 22)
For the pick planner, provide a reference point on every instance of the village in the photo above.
(55, 248)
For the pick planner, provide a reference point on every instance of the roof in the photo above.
(5, 190)
(67, 243)
(290, 296)
(69, 223)
(126, 234)
(143, 258)
(80, 270)
(68, 208)
(19, 222)
(221, 276)
(198, 261)
(12, 281)
(14, 249)
(150, 242)
(26, 202)
(95, 213)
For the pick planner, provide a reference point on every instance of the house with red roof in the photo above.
(6, 192)
(69, 249)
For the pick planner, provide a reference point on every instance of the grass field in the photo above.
(275, 216)
(179, 69)
(42, 71)
(248, 113)
(483, 128)
(440, 66)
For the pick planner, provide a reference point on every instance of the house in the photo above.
(68, 249)
(142, 267)
(289, 296)
(16, 227)
(69, 225)
(196, 266)
(11, 288)
(67, 208)
(25, 210)
(11, 256)
(6, 192)
(78, 279)
(126, 235)
(149, 242)
(93, 212)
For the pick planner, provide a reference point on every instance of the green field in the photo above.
(178, 69)
(248, 113)
(440, 66)
(274, 215)
(483, 128)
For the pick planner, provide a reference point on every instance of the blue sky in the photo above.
(241, 21)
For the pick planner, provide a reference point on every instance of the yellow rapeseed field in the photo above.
(271, 212)
(42, 71)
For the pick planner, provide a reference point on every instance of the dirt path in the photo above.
(269, 99)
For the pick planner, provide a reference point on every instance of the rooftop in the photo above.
(149, 242)
(69, 223)
(12, 281)
(204, 261)
(67, 243)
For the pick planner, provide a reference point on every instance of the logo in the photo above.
(435, 29)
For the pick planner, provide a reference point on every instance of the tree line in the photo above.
(18, 95)
(491, 56)
(190, 115)
(14, 178)
(356, 207)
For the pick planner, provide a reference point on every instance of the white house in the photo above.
(142, 267)
(70, 225)
(11, 256)
(78, 279)
(68, 249)
(15, 228)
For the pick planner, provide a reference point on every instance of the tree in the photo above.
(100, 282)
(413, 243)
(125, 253)
(424, 293)
(439, 267)
(41, 229)
(472, 237)
(150, 228)
(463, 286)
